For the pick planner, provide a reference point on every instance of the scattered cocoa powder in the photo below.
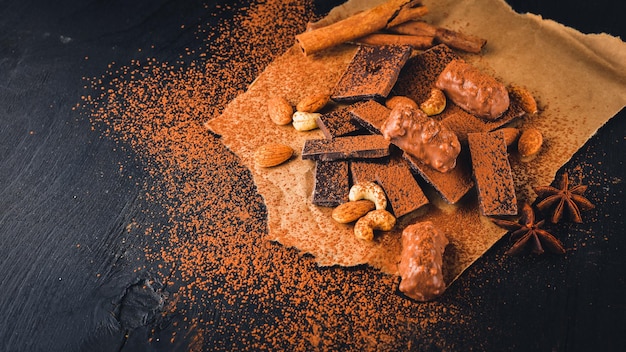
(233, 288)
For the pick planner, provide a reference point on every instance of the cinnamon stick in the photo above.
(415, 41)
(355, 26)
(453, 39)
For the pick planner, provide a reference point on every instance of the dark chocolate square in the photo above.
(338, 123)
(349, 147)
(372, 73)
(332, 183)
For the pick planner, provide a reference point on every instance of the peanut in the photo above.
(305, 121)
(370, 191)
(435, 103)
(374, 220)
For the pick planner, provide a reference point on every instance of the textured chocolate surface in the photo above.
(451, 185)
(395, 177)
(365, 146)
(338, 123)
(492, 173)
(332, 183)
(370, 114)
(372, 73)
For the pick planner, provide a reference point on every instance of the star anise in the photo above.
(529, 236)
(565, 198)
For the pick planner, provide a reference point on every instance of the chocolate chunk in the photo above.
(366, 147)
(395, 177)
(492, 173)
(372, 73)
(370, 115)
(338, 123)
(462, 122)
(452, 185)
(332, 183)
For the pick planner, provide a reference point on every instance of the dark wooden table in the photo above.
(65, 204)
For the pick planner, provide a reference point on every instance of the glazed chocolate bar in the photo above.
(370, 115)
(402, 190)
(452, 185)
(372, 73)
(350, 147)
(332, 183)
(338, 123)
(492, 173)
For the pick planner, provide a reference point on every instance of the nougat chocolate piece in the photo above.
(492, 173)
(332, 183)
(372, 73)
(370, 114)
(349, 147)
(338, 123)
(395, 177)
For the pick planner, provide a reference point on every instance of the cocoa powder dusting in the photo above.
(233, 288)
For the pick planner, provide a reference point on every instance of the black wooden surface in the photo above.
(65, 203)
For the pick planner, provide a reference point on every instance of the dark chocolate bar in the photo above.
(350, 147)
(372, 73)
(338, 123)
(451, 185)
(395, 177)
(370, 115)
(492, 173)
(332, 183)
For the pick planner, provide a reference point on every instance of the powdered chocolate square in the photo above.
(332, 183)
(372, 73)
(395, 177)
(370, 115)
(350, 147)
(492, 173)
(338, 123)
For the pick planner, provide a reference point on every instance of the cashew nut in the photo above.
(435, 103)
(370, 191)
(374, 220)
(305, 121)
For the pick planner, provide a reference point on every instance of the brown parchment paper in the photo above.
(579, 81)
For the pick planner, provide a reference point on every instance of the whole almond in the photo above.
(510, 135)
(272, 154)
(313, 103)
(400, 100)
(526, 100)
(529, 142)
(280, 110)
(352, 211)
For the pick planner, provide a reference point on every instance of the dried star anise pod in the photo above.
(564, 197)
(529, 236)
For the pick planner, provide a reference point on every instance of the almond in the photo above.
(400, 100)
(510, 135)
(526, 100)
(529, 142)
(272, 154)
(352, 211)
(280, 110)
(313, 103)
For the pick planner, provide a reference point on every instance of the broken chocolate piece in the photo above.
(421, 261)
(349, 147)
(473, 90)
(372, 73)
(424, 138)
(338, 123)
(492, 173)
(395, 177)
(370, 115)
(452, 185)
(332, 183)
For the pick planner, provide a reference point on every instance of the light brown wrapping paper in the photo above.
(579, 81)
